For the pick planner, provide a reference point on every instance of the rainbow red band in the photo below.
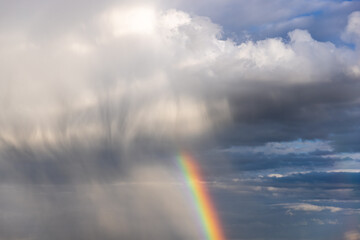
(201, 197)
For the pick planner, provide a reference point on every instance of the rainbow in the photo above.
(203, 203)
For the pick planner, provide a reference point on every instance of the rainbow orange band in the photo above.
(204, 205)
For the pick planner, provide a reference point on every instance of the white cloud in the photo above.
(168, 67)
(134, 20)
(124, 71)
(325, 221)
(352, 31)
(283, 148)
(352, 35)
(276, 175)
(310, 207)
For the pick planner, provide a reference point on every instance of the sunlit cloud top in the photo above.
(97, 99)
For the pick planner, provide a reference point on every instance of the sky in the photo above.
(99, 98)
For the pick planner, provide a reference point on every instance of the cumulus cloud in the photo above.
(108, 96)
(261, 19)
(311, 207)
(352, 32)
(176, 70)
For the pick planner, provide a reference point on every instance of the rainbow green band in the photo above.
(201, 198)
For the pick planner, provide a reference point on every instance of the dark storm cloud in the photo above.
(347, 141)
(275, 89)
(310, 111)
(97, 101)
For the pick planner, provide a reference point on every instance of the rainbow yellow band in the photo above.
(204, 205)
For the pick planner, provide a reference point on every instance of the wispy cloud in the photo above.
(310, 207)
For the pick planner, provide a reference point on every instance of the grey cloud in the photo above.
(92, 211)
(248, 82)
(311, 207)
(320, 180)
(88, 105)
(247, 162)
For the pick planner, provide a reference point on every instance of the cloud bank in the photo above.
(95, 105)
